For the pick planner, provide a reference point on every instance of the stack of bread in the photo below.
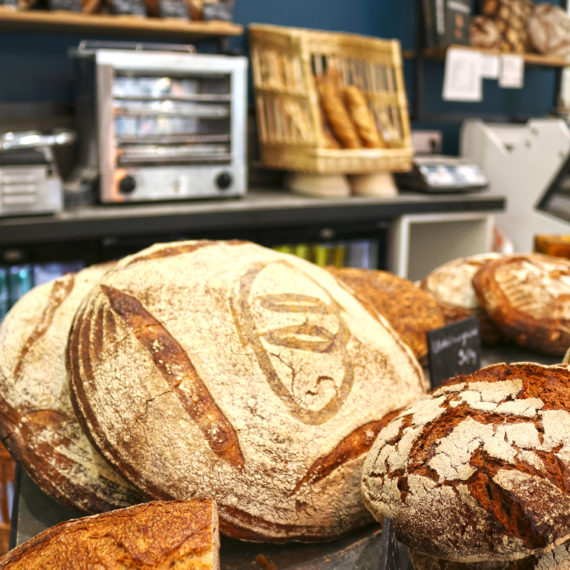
(225, 378)
(521, 297)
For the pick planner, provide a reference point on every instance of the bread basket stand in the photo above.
(285, 63)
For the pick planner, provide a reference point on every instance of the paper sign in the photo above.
(490, 66)
(512, 71)
(462, 77)
(453, 349)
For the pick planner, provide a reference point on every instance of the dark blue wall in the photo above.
(35, 67)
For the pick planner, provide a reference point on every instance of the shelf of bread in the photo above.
(529, 58)
(62, 21)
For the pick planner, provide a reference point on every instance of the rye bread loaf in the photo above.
(528, 298)
(410, 310)
(37, 421)
(154, 535)
(228, 370)
(489, 453)
(451, 286)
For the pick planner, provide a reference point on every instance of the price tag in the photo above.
(132, 7)
(512, 71)
(173, 9)
(69, 5)
(389, 558)
(218, 11)
(453, 349)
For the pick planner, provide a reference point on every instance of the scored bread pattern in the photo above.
(37, 422)
(175, 366)
(540, 288)
(495, 448)
(528, 298)
(313, 404)
(60, 290)
(288, 357)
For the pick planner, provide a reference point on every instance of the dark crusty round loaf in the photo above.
(480, 468)
(451, 286)
(228, 370)
(528, 298)
(37, 421)
(410, 310)
(158, 534)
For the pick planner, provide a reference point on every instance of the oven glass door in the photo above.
(164, 120)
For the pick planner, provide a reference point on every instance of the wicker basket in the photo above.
(285, 62)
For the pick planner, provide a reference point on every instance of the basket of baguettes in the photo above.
(329, 102)
(204, 383)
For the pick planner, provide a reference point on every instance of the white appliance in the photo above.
(527, 164)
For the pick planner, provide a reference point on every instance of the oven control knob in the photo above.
(224, 180)
(127, 185)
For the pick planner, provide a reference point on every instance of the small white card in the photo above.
(462, 77)
(490, 66)
(512, 71)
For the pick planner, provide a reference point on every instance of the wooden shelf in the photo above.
(529, 58)
(105, 24)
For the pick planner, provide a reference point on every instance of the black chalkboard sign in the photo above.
(132, 7)
(218, 11)
(173, 9)
(69, 5)
(453, 349)
(389, 558)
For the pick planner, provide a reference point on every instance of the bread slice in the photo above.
(37, 421)
(154, 535)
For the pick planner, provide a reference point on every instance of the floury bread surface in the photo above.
(37, 421)
(490, 455)
(228, 370)
(528, 298)
(154, 535)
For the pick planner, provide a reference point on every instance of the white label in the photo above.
(512, 71)
(462, 79)
(490, 66)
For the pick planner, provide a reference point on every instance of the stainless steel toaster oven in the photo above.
(161, 124)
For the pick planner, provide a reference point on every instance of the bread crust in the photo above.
(489, 453)
(528, 298)
(181, 534)
(410, 310)
(451, 286)
(282, 458)
(362, 117)
(37, 422)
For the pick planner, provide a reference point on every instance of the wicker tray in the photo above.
(285, 62)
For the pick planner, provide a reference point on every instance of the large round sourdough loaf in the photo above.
(528, 298)
(479, 470)
(231, 371)
(37, 421)
(154, 535)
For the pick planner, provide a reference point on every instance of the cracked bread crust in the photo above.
(410, 310)
(489, 453)
(227, 370)
(37, 422)
(451, 286)
(528, 298)
(154, 535)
